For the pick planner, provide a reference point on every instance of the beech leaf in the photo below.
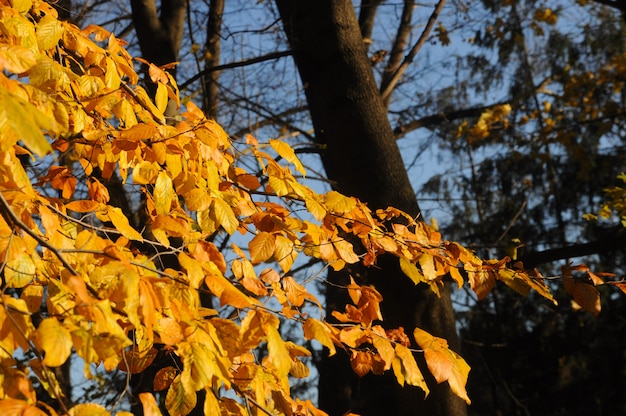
(55, 341)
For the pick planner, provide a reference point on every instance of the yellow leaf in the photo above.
(88, 409)
(261, 247)
(16, 59)
(161, 98)
(22, 6)
(54, 341)
(315, 208)
(19, 407)
(410, 372)
(145, 172)
(120, 222)
(111, 76)
(339, 203)
(411, 270)
(314, 329)
(49, 32)
(384, 348)
(443, 363)
(197, 371)
(193, 268)
(225, 216)
(287, 153)
(228, 294)
(278, 353)
(285, 253)
(19, 271)
(163, 194)
(427, 264)
(25, 121)
(345, 250)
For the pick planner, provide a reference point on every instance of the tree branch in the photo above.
(432, 121)
(399, 45)
(237, 64)
(386, 91)
(614, 240)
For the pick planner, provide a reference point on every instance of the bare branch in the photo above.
(399, 46)
(237, 64)
(387, 89)
(432, 121)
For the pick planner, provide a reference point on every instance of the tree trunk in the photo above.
(362, 159)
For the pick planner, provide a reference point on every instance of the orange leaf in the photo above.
(584, 294)
(406, 370)
(149, 404)
(443, 363)
(164, 377)
(361, 362)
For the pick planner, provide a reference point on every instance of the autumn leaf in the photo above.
(261, 247)
(406, 370)
(88, 409)
(54, 341)
(411, 270)
(443, 363)
(314, 329)
(287, 153)
(178, 400)
(584, 294)
(149, 404)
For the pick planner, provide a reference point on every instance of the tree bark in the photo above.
(363, 160)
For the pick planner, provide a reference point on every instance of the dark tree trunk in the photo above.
(363, 160)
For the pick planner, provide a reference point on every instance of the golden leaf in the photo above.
(169, 331)
(228, 294)
(408, 371)
(225, 216)
(19, 271)
(120, 222)
(261, 247)
(278, 353)
(163, 194)
(16, 59)
(411, 270)
(49, 32)
(88, 409)
(161, 98)
(55, 342)
(285, 253)
(338, 203)
(287, 153)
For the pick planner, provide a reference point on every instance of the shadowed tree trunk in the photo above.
(361, 158)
